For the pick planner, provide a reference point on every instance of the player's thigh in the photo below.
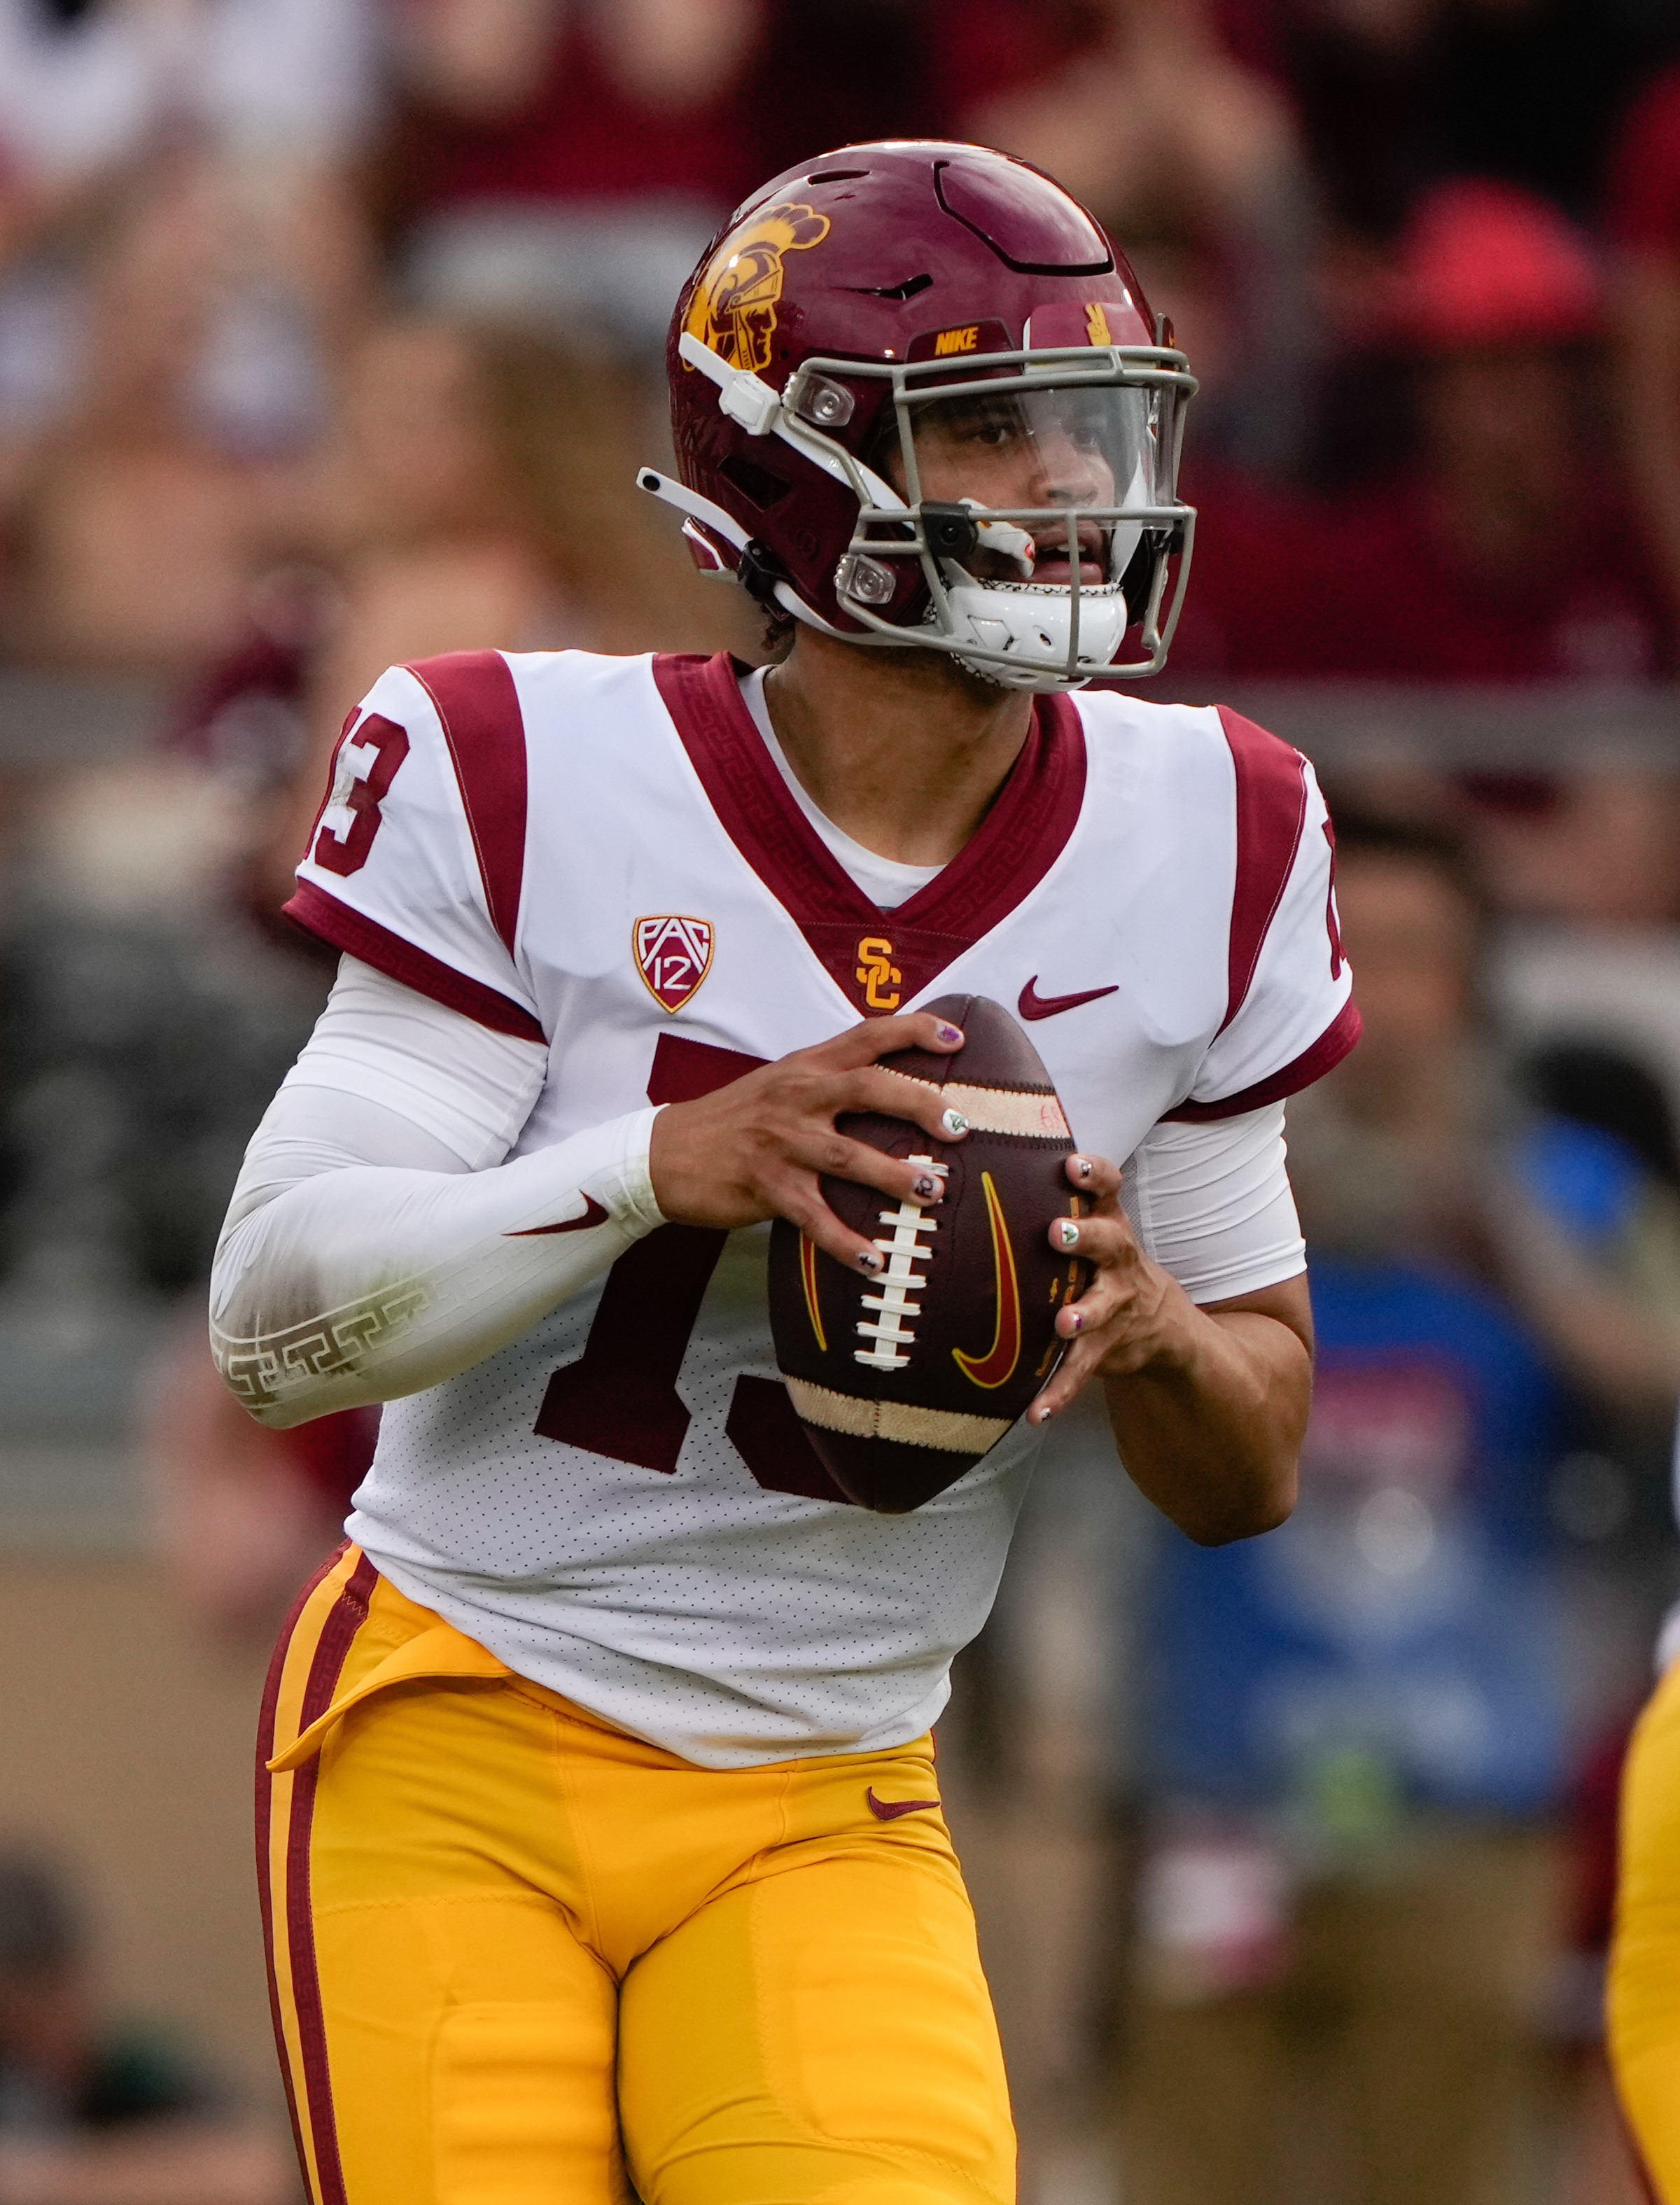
(457, 2040)
(1645, 1957)
(825, 2032)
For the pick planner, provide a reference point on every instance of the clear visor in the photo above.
(1034, 456)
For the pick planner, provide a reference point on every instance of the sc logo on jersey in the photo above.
(673, 956)
(878, 976)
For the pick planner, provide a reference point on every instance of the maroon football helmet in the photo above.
(877, 344)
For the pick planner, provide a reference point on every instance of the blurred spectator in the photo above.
(1530, 89)
(1358, 1722)
(1361, 76)
(1395, 94)
(1192, 158)
(133, 534)
(1599, 2165)
(1601, 1163)
(1644, 222)
(570, 160)
(96, 2114)
(479, 495)
(242, 1514)
(87, 85)
(1469, 563)
(1596, 839)
(180, 256)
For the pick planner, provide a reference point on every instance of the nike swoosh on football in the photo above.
(593, 1215)
(1032, 1005)
(889, 1810)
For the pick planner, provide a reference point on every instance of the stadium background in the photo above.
(330, 332)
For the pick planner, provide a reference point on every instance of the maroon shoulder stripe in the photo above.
(478, 708)
(1022, 837)
(1325, 1054)
(356, 934)
(337, 1633)
(1271, 812)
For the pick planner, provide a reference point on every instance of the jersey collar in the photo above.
(881, 959)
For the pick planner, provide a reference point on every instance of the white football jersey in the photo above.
(601, 855)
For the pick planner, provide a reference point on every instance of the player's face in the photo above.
(1034, 448)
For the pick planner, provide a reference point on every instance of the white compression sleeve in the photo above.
(1212, 1204)
(376, 1244)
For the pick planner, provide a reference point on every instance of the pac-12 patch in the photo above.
(673, 956)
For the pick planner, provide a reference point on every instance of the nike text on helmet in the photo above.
(918, 399)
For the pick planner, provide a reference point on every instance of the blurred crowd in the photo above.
(331, 334)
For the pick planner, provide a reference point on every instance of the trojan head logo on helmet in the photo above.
(732, 306)
(918, 400)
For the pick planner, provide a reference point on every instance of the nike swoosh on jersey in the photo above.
(889, 1810)
(593, 1215)
(1032, 1005)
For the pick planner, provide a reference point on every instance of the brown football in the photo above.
(903, 1381)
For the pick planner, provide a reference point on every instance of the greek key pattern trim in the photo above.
(263, 1370)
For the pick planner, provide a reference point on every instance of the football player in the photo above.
(601, 1840)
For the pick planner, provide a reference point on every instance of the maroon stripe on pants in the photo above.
(265, 1723)
(347, 1618)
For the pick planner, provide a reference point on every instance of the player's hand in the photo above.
(757, 1148)
(1133, 1314)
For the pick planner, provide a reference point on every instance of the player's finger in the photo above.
(801, 1205)
(878, 1037)
(1100, 1240)
(903, 1179)
(1093, 1175)
(1110, 1294)
(890, 1094)
(1075, 1371)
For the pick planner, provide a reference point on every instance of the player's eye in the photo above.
(992, 428)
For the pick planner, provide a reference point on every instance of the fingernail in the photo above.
(1082, 1165)
(1068, 1231)
(954, 1122)
(1078, 1322)
(950, 1033)
(870, 1262)
(926, 1188)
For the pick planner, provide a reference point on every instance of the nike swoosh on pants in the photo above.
(889, 1810)
(1032, 1005)
(593, 1215)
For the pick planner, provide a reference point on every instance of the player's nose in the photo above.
(1064, 473)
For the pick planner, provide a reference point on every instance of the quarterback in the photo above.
(600, 1848)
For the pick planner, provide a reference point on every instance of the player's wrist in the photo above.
(675, 1175)
(635, 1173)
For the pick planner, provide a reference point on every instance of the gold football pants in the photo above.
(518, 1958)
(1645, 1956)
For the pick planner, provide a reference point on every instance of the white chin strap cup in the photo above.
(1003, 619)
